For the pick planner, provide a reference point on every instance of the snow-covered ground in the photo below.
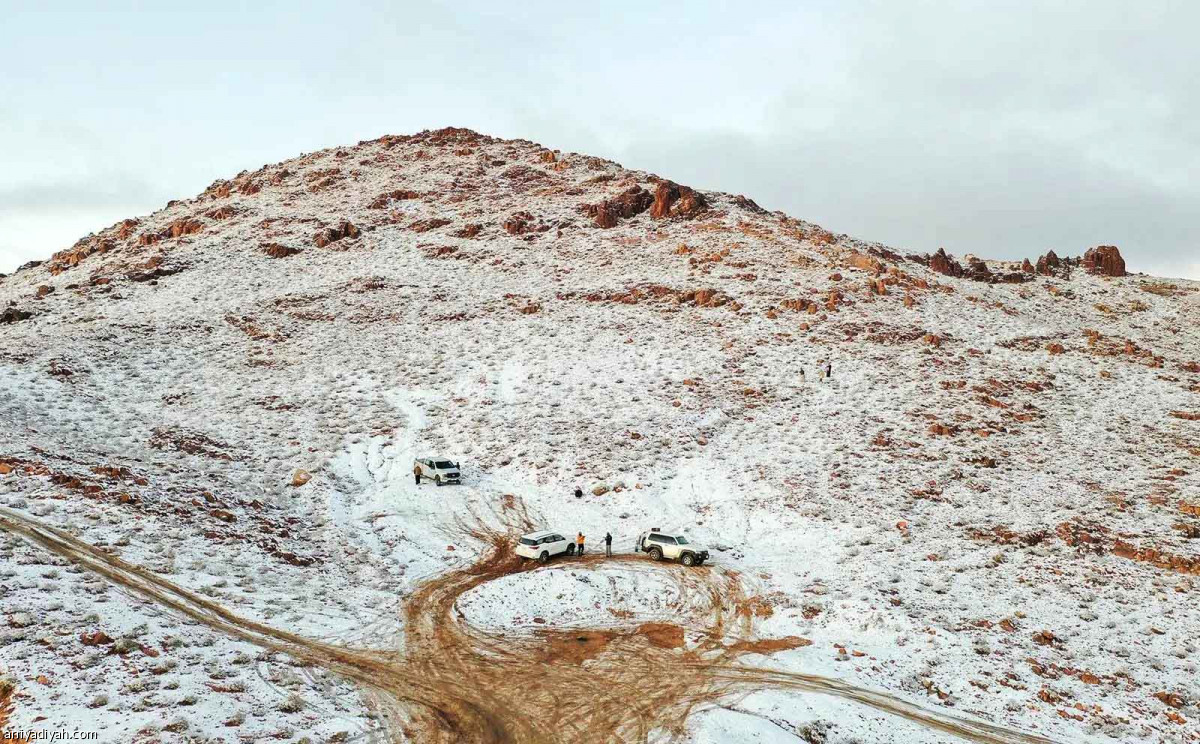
(961, 516)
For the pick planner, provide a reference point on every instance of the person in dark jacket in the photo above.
(828, 370)
(578, 493)
(608, 544)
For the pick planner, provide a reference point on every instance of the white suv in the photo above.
(438, 469)
(540, 546)
(673, 546)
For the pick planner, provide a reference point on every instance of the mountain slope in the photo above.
(989, 507)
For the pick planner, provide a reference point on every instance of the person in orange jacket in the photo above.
(417, 473)
(579, 544)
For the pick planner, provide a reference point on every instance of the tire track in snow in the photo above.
(455, 682)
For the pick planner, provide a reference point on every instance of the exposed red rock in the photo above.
(673, 200)
(185, 226)
(610, 212)
(748, 204)
(520, 223)
(1047, 264)
(384, 199)
(943, 264)
(864, 262)
(275, 250)
(343, 229)
(430, 224)
(1104, 260)
(978, 271)
(221, 213)
(468, 231)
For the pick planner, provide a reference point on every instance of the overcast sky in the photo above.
(996, 128)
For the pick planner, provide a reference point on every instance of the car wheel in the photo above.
(571, 549)
(438, 480)
(656, 554)
(688, 559)
(544, 557)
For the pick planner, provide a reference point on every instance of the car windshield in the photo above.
(682, 540)
(528, 541)
(443, 465)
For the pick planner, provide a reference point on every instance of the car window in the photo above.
(657, 538)
(528, 541)
(444, 465)
(554, 538)
(681, 540)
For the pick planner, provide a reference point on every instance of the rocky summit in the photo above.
(944, 492)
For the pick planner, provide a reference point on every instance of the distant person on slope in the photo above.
(828, 370)
(417, 473)
(801, 374)
(579, 543)
(578, 493)
(608, 544)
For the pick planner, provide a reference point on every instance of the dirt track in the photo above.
(454, 683)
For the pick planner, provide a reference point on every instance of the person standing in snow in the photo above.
(828, 370)
(801, 374)
(608, 544)
(578, 493)
(417, 473)
(579, 544)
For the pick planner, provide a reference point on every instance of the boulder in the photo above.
(1026, 267)
(300, 477)
(1104, 260)
(13, 315)
(275, 250)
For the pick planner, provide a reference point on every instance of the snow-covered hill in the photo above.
(988, 510)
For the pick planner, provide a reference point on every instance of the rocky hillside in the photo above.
(990, 507)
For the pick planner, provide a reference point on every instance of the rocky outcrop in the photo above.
(610, 212)
(748, 204)
(1104, 260)
(1049, 264)
(673, 200)
(977, 271)
(863, 262)
(468, 231)
(520, 223)
(943, 264)
(327, 235)
(1026, 267)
